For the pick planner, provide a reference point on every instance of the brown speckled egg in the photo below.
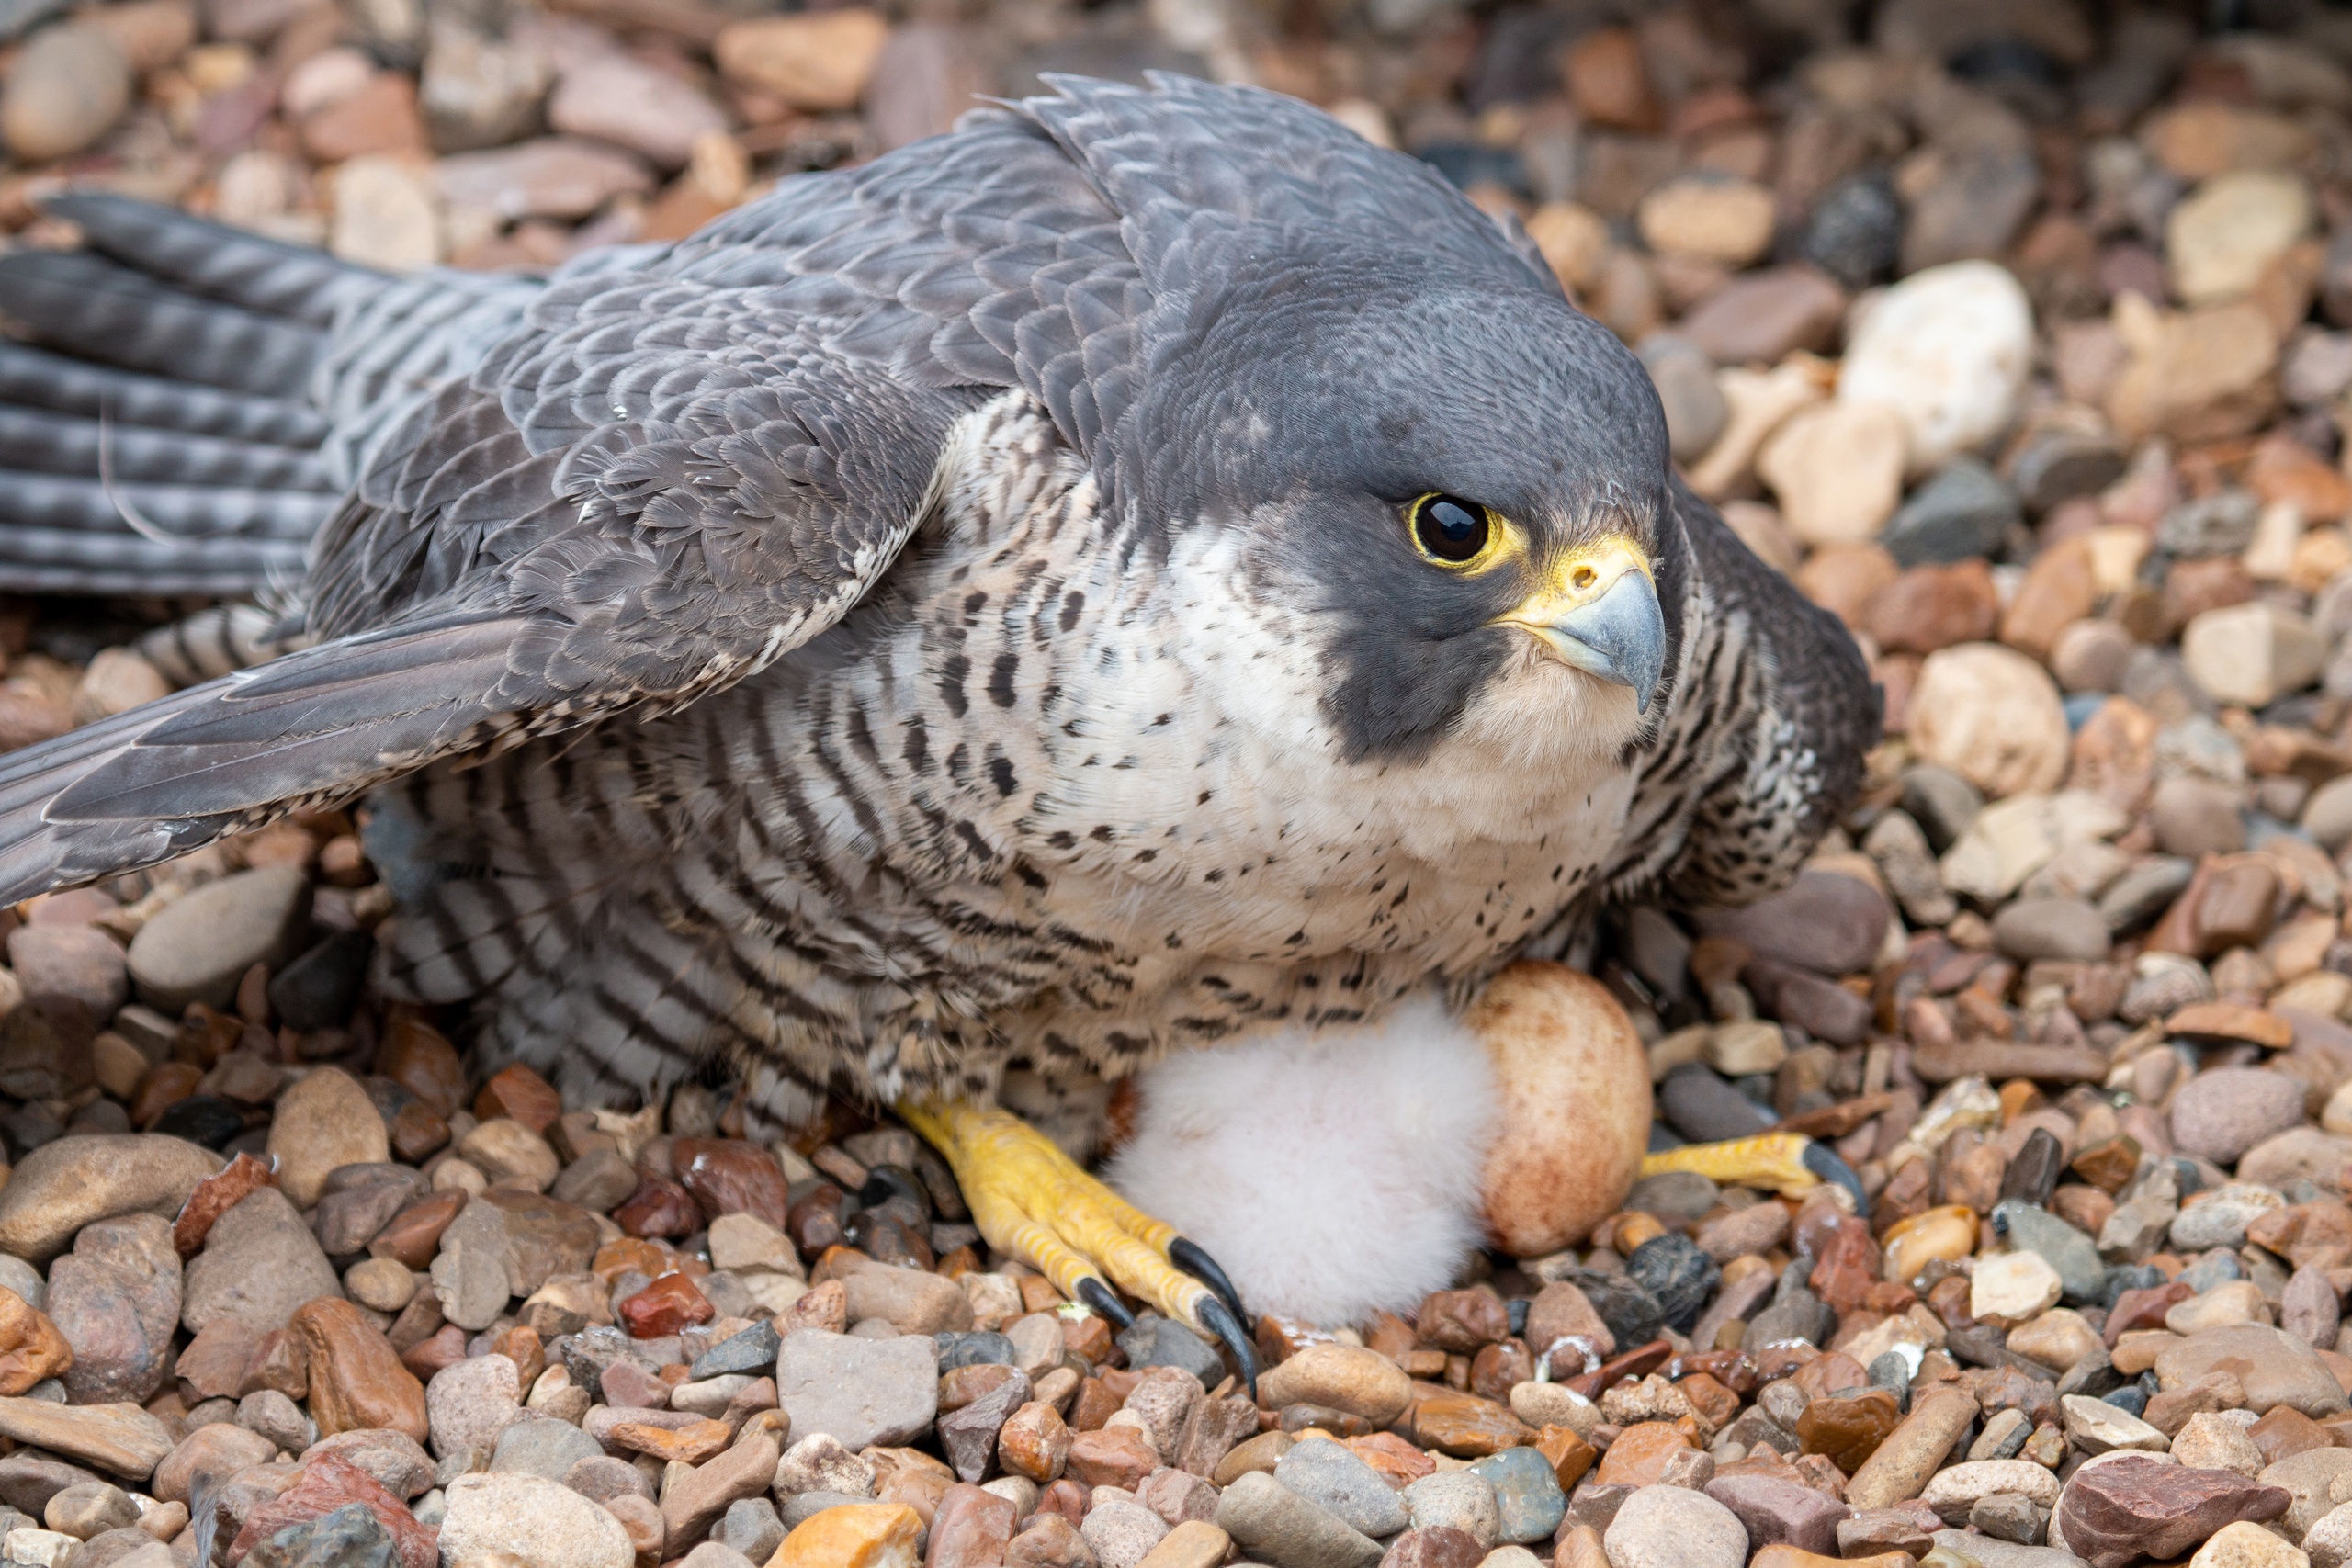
(1574, 1091)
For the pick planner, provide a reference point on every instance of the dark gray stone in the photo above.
(1682, 1279)
(1963, 512)
(1155, 1341)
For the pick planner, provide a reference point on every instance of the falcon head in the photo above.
(1455, 484)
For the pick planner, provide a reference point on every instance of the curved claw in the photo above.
(1823, 1161)
(1097, 1295)
(1221, 1322)
(1187, 1255)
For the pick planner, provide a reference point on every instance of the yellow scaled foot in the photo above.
(1788, 1163)
(1033, 1203)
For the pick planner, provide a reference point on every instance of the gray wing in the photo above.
(1770, 722)
(683, 464)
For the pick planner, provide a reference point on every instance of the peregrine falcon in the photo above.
(1143, 566)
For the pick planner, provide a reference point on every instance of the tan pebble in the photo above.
(818, 60)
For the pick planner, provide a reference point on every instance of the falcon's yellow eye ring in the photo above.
(1448, 531)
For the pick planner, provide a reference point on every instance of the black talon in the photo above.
(1097, 1295)
(1188, 1256)
(1823, 1161)
(1228, 1328)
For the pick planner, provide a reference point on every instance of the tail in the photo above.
(157, 428)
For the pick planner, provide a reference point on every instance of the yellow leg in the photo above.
(1788, 1163)
(1033, 1202)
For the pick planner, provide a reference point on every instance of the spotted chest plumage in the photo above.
(1038, 804)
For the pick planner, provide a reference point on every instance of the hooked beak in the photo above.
(1599, 613)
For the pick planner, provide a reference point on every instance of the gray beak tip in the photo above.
(1620, 637)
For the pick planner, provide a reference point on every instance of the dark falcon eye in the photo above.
(1450, 529)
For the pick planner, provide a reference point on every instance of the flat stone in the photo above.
(692, 1503)
(2273, 1367)
(2112, 1514)
(259, 1264)
(861, 1392)
(74, 1182)
(120, 1439)
(1952, 1493)
(1774, 1511)
(536, 1521)
(2097, 1428)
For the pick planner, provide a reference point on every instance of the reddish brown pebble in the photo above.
(2116, 1513)
(1462, 1321)
(281, 1362)
(667, 1307)
(727, 1176)
(1848, 1428)
(164, 1087)
(445, 1346)
(418, 1133)
(325, 1483)
(413, 1235)
(356, 1378)
(1467, 1426)
(215, 1196)
(419, 1059)
(1035, 1442)
(659, 1207)
(1639, 1454)
(1112, 1455)
(519, 1092)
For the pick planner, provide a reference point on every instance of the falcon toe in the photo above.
(1788, 1163)
(1033, 1203)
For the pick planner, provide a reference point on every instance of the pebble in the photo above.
(259, 1263)
(2272, 1367)
(536, 1522)
(323, 1123)
(1671, 1526)
(650, 111)
(1529, 1502)
(860, 1392)
(2221, 1113)
(2252, 654)
(2223, 237)
(1337, 1480)
(2065, 928)
(855, 1535)
(1962, 514)
(1272, 1522)
(1464, 1500)
(1721, 219)
(818, 63)
(72, 1182)
(358, 1381)
(2013, 1287)
(1991, 715)
(1948, 349)
(66, 87)
(1836, 469)
(198, 947)
(2138, 1507)
(1760, 318)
